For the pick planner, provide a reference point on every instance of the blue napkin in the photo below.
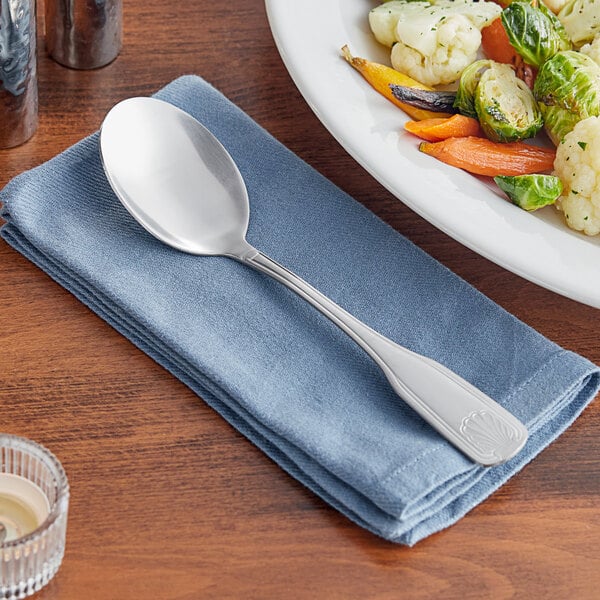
(277, 370)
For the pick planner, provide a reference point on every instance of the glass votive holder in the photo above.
(34, 502)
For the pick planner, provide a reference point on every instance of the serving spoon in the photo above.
(181, 185)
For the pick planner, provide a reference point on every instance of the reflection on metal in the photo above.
(84, 34)
(18, 76)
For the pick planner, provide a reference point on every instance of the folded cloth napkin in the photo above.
(269, 363)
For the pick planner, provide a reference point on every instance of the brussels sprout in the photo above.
(558, 121)
(505, 106)
(535, 33)
(530, 192)
(567, 89)
(469, 79)
(581, 20)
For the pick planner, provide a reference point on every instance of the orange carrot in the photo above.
(437, 129)
(495, 43)
(381, 76)
(484, 157)
(496, 46)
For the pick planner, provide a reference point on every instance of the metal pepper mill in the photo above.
(84, 34)
(18, 72)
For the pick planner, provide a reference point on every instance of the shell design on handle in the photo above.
(488, 433)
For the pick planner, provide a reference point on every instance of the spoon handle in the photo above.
(477, 425)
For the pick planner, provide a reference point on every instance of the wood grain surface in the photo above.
(168, 501)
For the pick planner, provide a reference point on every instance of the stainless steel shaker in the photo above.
(18, 72)
(84, 34)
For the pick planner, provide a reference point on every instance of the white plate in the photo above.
(539, 246)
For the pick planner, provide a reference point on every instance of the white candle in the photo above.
(23, 507)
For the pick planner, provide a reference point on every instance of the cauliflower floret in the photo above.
(439, 55)
(384, 18)
(577, 164)
(432, 40)
(581, 20)
(592, 49)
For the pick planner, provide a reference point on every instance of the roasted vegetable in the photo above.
(567, 89)
(578, 166)
(530, 192)
(465, 95)
(437, 129)
(484, 157)
(493, 94)
(534, 32)
(432, 41)
(496, 46)
(581, 20)
(384, 18)
(592, 49)
(495, 43)
(381, 76)
(505, 106)
(433, 100)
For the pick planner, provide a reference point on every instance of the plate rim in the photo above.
(530, 239)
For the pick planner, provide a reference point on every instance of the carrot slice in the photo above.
(484, 157)
(381, 76)
(437, 129)
(496, 46)
(495, 43)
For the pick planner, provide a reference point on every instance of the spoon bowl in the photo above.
(181, 185)
(175, 177)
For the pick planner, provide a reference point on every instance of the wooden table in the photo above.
(168, 501)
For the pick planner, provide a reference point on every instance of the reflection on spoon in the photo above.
(182, 186)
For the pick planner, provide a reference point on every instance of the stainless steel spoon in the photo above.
(181, 185)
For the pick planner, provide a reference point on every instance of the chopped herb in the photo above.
(582, 145)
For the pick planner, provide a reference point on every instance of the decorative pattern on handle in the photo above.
(488, 433)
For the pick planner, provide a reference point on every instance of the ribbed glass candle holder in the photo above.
(34, 502)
